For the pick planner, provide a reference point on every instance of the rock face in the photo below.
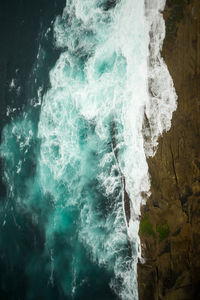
(170, 221)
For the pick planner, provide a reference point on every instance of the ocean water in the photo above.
(74, 159)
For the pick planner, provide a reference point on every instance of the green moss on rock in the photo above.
(146, 228)
(163, 231)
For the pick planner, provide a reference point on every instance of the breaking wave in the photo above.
(79, 170)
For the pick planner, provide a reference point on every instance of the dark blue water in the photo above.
(22, 26)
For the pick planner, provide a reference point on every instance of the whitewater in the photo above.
(79, 169)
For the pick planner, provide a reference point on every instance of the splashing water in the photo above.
(79, 172)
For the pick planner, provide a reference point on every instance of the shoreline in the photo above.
(169, 227)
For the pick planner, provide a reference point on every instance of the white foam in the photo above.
(162, 94)
(120, 90)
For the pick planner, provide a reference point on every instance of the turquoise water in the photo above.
(72, 155)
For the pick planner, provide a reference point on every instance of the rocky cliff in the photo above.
(170, 221)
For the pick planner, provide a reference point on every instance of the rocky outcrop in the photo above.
(170, 221)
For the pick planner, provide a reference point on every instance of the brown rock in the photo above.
(172, 253)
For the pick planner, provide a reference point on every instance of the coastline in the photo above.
(170, 220)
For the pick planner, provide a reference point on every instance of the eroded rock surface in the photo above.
(170, 221)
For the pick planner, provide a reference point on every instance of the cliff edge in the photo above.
(170, 221)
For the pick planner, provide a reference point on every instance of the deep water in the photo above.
(72, 146)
